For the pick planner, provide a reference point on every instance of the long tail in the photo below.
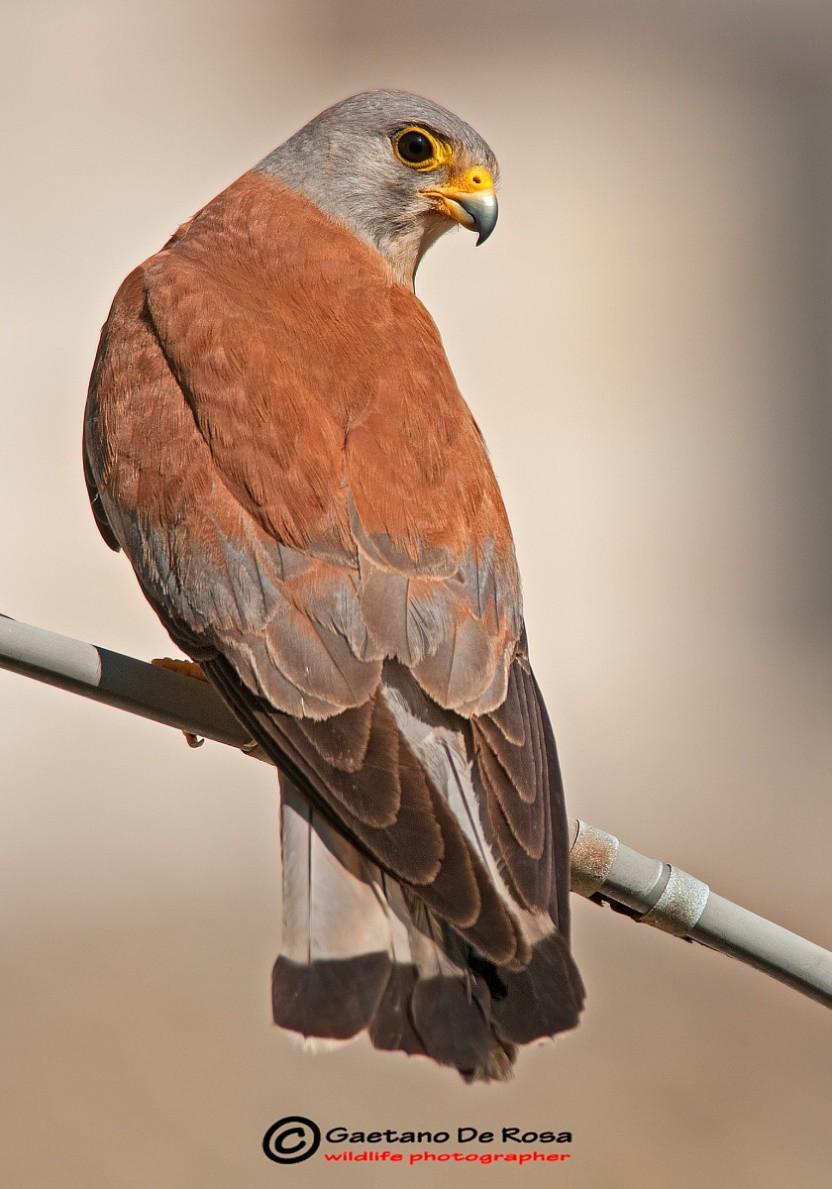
(361, 952)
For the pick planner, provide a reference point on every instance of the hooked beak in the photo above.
(469, 199)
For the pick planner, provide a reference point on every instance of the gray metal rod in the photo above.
(664, 896)
(652, 891)
(117, 680)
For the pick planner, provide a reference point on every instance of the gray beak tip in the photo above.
(482, 209)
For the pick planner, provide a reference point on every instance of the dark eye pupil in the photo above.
(415, 147)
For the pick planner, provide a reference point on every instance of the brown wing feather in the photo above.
(522, 792)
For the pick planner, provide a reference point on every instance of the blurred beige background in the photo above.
(645, 342)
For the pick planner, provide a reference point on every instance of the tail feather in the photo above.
(362, 953)
(335, 960)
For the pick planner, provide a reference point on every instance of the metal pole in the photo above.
(603, 869)
(117, 680)
(659, 894)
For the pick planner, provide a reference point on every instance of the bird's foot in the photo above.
(189, 669)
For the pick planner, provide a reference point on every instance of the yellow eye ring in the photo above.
(419, 149)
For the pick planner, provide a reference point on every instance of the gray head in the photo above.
(395, 169)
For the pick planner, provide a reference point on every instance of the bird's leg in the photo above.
(190, 669)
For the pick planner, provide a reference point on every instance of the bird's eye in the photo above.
(415, 147)
(419, 148)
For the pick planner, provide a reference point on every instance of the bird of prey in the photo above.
(274, 437)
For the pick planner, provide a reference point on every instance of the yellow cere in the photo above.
(471, 181)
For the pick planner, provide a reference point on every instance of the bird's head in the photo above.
(396, 169)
